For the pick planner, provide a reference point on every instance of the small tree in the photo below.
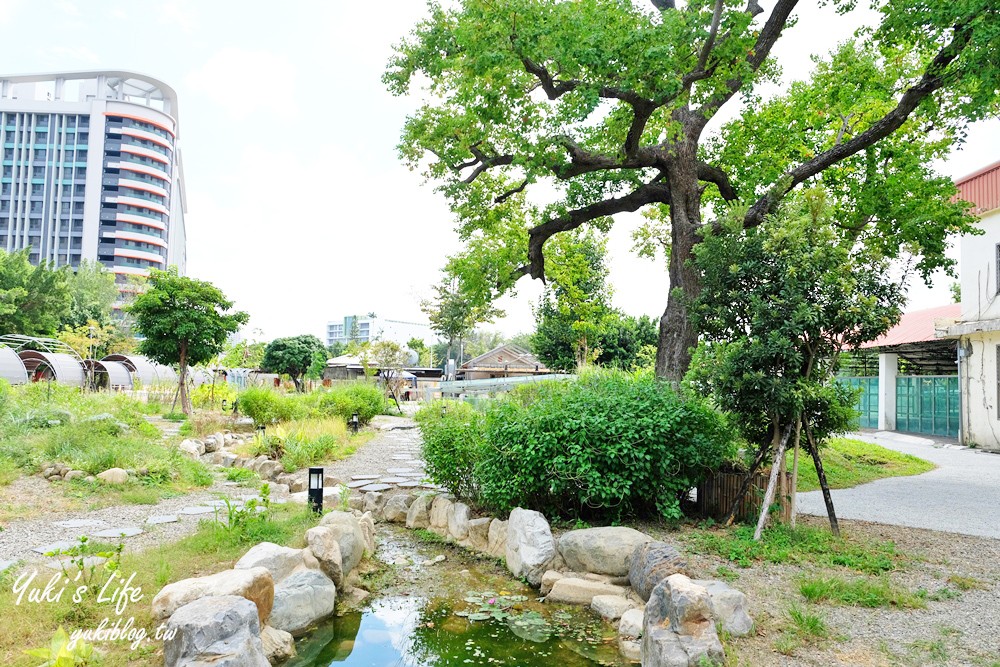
(388, 358)
(779, 304)
(183, 321)
(292, 356)
(454, 313)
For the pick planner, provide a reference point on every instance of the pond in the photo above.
(403, 631)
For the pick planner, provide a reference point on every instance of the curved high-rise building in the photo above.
(92, 170)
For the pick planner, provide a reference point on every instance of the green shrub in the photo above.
(364, 398)
(453, 436)
(607, 445)
(267, 407)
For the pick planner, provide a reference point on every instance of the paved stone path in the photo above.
(390, 460)
(962, 495)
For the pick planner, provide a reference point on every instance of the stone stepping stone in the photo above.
(222, 503)
(376, 487)
(81, 523)
(358, 483)
(247, 499)
(392, 480)
(45, 548)
(399, 471)
(7, 564)
(414, 475)
(162, 518)
(402, 457)
(198, 509)
(409, 485)
(357, 477)
(124, 531)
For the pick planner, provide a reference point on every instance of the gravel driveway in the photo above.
(961, 496)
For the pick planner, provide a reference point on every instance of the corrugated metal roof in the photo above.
(917, 326)
(981, 189)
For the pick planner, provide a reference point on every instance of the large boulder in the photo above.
(323, 544)
(374, 502)
(530, 546)
(302, 599)
(497, 539)
(396, 508)
(351, 539)
(651, 563)
(419, 513)
(729, 607)
(193, 448)
(571, 590)
(602, 550)
(458, 522)
(611, 607)
(439, 515)
(630, 634)
(278, 645)
(219, 631)
(280, 561)
(367, 524)
(255, 584)
(679, 628)
(479, 533)
(113, 476)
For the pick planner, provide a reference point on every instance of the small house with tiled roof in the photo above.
(508, 360)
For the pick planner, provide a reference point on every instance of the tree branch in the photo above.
(932, 80)
(650, 193)
(488, 163)
(510, 193)
(712, 32)
(761, 49)
(712, 174)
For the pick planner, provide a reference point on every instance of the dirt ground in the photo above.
(962, 628)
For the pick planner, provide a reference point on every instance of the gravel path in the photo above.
(395, 450)
(961, 496)
(19, 537)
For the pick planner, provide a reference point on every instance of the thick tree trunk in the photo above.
(678, 336)
(185, 397)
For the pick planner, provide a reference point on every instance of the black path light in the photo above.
(262, 431)
(316, 490)
(224, 405)
(355, 422)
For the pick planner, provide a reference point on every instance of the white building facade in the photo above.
(92, 170)
(372, 328)
(978, 329)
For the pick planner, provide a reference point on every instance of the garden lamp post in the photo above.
(316, 490)
(224, 402)
(262, 431)
(355, 422)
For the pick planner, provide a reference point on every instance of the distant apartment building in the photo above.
(366, 329)
(92, 170)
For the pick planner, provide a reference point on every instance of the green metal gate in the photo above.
(867, 403)
(928, 404)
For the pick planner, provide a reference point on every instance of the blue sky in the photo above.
(298, 207)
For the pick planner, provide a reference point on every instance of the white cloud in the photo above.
(243, 81)
(180, 13)
(8, 10)
(67, 8)
(73, 57)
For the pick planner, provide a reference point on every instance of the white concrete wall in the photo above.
(978, 385)
(978, 266)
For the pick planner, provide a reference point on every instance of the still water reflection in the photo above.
(412, 632)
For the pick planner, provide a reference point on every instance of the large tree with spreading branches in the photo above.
(608, 106)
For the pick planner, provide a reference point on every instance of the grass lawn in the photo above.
(850, 462)
(211, 549)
